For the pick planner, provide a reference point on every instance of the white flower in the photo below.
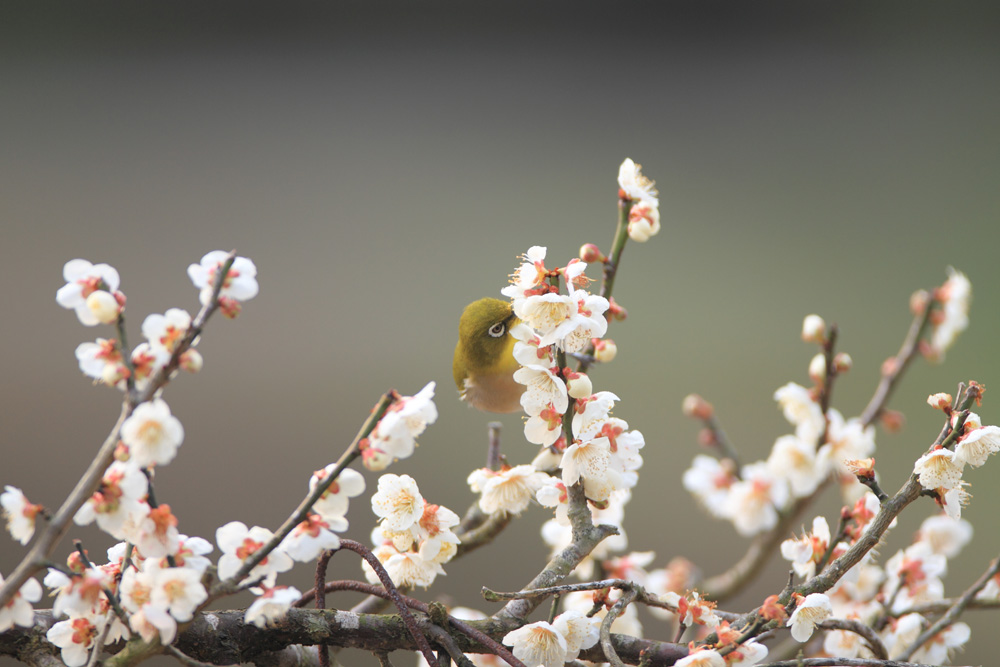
(81, 595)
(146, 362)
(308, 539)
(166, 331)
(976, 445)
(538, 645)
(954, 295)
(405, 568)
(938, 469)
(635, 185)
(542, 388)
(118, 502)
(191, 552)
(584, 320)
(795, 460)
(20, 514)
(334, 501)
(812, 610)
(271, 606)
(75, 637)
(643, 221)
(155, 535)
(240, 283)
(805, 552)
(18, 611)
(845, 440)
(579, 631)
(82, 280)
(103, 306)
(238, 543)
(945, 535)
(955, 499)
(801, 410)
(507, 490)
(545, 427)
(747, 654)
(179, 591)
(397, 503)
(754, 500)
(152, 434)
(709, 481)
(396, 433)
(101, 360)
(529, 275)
(545, 312)
(703, 658)
(152, 622)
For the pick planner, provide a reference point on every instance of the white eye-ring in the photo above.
(497, 329)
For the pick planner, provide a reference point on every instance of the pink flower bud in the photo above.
(842, 362)
(696, 407)
(591, 253)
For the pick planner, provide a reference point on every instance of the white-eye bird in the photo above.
(484, 362)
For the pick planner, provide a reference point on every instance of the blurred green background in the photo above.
(384, 164)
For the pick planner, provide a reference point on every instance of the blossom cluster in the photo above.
(395, 435)
(414, 538)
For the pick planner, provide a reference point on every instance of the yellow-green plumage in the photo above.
(484, 362)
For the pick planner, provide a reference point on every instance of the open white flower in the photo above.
(635, 185)
(703, 658)
(83, 279)
(507, 490)
(812, 610)
(239, 543)
(397, 503)
(938, 469)
(239, 284)
(334, 501)
(20, 514)
(19, 610)
(152, 434)
(538, 645)
(271, 606)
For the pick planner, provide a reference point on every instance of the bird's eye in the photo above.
(497, 329)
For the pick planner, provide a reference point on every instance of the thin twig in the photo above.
(617, 609)
(320, 593)
(394, 594)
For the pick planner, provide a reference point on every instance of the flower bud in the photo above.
(375, 459)
(696, 407)
(114, 373)
(940, 401)
(578, 385)
(643, 222)
(892, 420)
(813, 329)
(616, 311)
(817, 369)
(104, 306)
(605, 350)
(842, 362)
(918, 301)
(863, 468)
(192, 361)
(589, 253)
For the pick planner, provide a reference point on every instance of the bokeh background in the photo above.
(384, 164)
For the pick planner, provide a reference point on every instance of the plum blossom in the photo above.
(240, 284)
(75, 638)
(508, 490)
(271, 606)
(635, 185)
(152, 434)
(810, 611)
(20, 513)
(19, 610)
(394, 437)
(334, 501)
(239, 543)
(538, 645)
(83, 280)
